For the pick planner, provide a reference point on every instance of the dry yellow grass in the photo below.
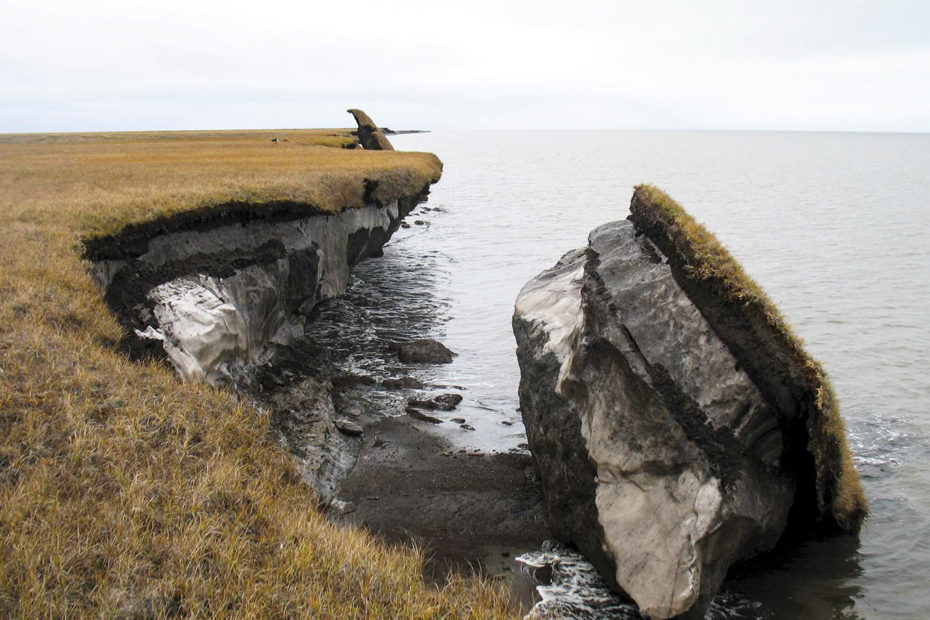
(708, 260)
(123, 492)
(104, 184)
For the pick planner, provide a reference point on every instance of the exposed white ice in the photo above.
(206, 323)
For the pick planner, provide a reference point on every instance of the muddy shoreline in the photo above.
(472, 512)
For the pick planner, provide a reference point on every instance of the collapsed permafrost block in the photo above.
(676, 423)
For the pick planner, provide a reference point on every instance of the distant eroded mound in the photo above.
(369, 136)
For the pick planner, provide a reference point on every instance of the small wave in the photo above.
(571, 588)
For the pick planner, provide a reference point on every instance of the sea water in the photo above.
(833, 225)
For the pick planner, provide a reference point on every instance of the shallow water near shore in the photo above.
(831, 225)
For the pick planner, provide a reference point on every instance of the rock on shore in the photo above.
(423, 351)
(663, 456)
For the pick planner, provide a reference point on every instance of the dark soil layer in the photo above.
(470, 511)
(132, 240)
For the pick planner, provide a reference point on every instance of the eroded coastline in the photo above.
(355, 404)
(165, 496)
(240, 302)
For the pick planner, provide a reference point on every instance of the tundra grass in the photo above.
(706, 259)
(125, 492)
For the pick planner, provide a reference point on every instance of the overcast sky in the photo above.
(168, 64)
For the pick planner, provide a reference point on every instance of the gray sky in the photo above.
(171, 64)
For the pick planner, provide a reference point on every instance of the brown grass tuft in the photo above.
(124, 492)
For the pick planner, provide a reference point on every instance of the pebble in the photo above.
(349, 428)
(419, 415)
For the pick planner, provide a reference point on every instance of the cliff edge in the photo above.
(221, 290)
(125, 492)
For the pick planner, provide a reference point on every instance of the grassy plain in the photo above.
(124, 492)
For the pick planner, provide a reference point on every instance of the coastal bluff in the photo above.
(676, 423)
(222, 291)
(210, 287)
(124, 491)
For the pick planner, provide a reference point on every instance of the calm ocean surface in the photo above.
(835, 228)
